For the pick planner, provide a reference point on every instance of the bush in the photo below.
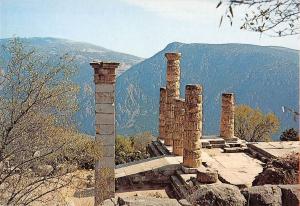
(129, 149)
(289, 135)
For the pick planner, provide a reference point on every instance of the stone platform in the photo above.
(275, 149)
(149, 164)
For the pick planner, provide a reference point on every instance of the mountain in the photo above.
(83, 53)
(262, 77)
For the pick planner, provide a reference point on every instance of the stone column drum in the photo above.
(162, 106)
(173, 84)
(227, 116)
(104, 78)
(178, 132)
(193, 126)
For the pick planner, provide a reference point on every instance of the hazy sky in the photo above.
(139, 27)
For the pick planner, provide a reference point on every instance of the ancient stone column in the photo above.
(104, 78)
(173, 84)
(178, 132)
(162, 106)
(227, 116)
(193, 126)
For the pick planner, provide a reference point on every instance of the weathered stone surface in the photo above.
(104, 129)
(162, 113)
(139, 201)
(178, 130)
(184, 202)
(290, 195)
(105, 108)
(266, 195)
(104, 99)
(172, 92)
(104, 78)
(207, 176)
(109, 151)
(105, 118)
(217, 195)
(105, 88)
(192, 134)
(106, 139)
(43, 170)
(227, 116)
(105, 162)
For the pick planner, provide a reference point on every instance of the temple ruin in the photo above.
(182, 157)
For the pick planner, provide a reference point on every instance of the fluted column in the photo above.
(193, 126)
(162, 111)
(172, 89)
(104, 78)
(178, 132)
(227, 116)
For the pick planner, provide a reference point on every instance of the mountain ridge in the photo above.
(211, 60)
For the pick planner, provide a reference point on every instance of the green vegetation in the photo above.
(132, 148)
(254, 126)
(39, 142)
(289, 135)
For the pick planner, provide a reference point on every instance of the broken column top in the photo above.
(172, 56)
(106, 65)
(195, 87)
(227, 94)
(104, 72)
(162, 88)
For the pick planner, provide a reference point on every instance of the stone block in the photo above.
(105, 88)
(104, 97)
(106, 162)
(105, 118)
(207, 176)
(106, 139)
(108, 151)
(105, 108)
(104, 129)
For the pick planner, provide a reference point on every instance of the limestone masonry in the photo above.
(193, 126)
(173, 84)
(162, 109)
(104, 78)
(227, 116)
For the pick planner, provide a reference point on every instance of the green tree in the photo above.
(124, 149)
(289, 135)
(38, 137)
(252, 125)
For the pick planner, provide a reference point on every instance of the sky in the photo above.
(138, 27)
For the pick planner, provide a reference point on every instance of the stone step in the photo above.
(153, 150)
(233, 150)
(234, 144)
(217, 141)
(161, 148)
(218, 145)
(179, 189)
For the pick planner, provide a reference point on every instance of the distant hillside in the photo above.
(84, 54)
(263, 77)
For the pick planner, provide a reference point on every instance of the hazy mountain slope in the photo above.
(84, 53)
(264, 77)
